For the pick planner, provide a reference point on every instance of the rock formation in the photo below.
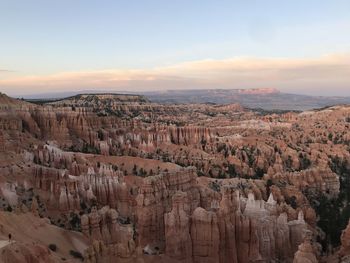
(28, 253)
(186, 183)
(178, 242)
(306, 252)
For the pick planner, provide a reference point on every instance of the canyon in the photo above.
(118, 178)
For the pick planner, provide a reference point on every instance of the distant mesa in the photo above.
(93, 99)
(259, 91)
(262, 98)
(107, 97)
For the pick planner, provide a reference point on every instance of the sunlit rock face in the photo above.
(103, 226)
(306, 250)
(173, 183)
(155, 199)
(178, 242)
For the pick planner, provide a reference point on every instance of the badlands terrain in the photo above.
(116, 178)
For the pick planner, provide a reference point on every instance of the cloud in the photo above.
(325, 75)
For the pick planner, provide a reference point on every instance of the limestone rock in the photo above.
(178, 241)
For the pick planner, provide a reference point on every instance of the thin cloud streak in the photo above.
(326, 75)
(6, 71)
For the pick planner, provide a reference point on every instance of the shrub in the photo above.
(215, 186)
(292, 201)
(232, 171)
(53, 247)
(76, 254)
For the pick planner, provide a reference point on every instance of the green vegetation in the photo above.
(53, 247)
(76, 254)
(74, 221)
(41, 101)
(305, 162)
(292, 201)
(100, 135)
(87, 148)
(269, 183)
(232, 171)
(265, 112)
(334, 213)
(140, 172)
(215, 186)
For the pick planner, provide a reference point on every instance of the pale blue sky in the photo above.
(40, 37)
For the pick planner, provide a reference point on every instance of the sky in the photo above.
(295, 46)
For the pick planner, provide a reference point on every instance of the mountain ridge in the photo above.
(264, 98)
